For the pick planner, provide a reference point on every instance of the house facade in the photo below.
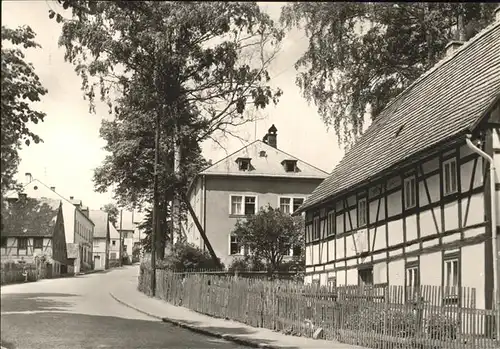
(32, 232)
(100, 252)
(410, 203)
(255, 176)
(78, 227)
(114, 245)
(128, 225)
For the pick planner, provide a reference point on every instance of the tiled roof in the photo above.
(13, 194)
(100, 219)
(268, 165)
(444, 102)
(29, 217)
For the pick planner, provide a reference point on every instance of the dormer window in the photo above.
(290, 165)
(244, 164)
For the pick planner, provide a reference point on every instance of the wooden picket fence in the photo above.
(375, 317)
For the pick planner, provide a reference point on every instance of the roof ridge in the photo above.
(444, 60)
(46, 186)
(227, 156)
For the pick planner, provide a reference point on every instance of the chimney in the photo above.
(29, 177)
(271, 137)
(71, 197)
(53, 188)
(452, 47)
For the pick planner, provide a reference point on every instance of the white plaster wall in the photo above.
(472, 269)
(430, 269)
(352, 277)
(397, 272)
(380, 272)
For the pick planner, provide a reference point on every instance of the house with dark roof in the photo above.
(415, 200)
(78, 227)
(34, 229)
(240, 184)
(101, 239)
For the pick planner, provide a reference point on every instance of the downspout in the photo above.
(493, 215)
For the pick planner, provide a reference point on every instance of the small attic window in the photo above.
(262, 154)
(244, 164)
(290, 165)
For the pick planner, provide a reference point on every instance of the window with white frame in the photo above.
(410, 192)
(243, 205)
(250, 205)
(412, 276)
(451, 273)
(362, 212)
(331, 223)
(412, 281)
(285, 204)
(450, 181)
(290, 205)
(235, 248)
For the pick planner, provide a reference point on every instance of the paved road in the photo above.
(77, 313)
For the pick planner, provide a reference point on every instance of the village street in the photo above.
(79, 313)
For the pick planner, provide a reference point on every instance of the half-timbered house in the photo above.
(34, 228)
(410, 203)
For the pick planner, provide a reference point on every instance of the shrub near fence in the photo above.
(10, 275)
(376, 317)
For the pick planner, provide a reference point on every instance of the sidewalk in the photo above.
(128, 295)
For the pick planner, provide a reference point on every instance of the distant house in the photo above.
(128, 221)
(101, 239)
(410, 203)
(114, 246)
(240, 184)
(34, 228)
(78, 227)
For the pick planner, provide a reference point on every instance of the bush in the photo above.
(249, 263)
(186, 257)
(394, 322)
(442, 326)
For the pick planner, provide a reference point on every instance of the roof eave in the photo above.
(456, 138)
(477, 124)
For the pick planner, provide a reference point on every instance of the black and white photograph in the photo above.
(230, 175)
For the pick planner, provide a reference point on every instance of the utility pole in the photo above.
(120, 253)
(176, 229)
(154, 231)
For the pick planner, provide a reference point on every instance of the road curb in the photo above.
(201, 330)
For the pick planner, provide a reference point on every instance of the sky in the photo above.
(72, 148)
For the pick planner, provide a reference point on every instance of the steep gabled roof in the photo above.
(29, 217)
(100, 219)
(14, 194)
(445, 102)
(269, 165)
